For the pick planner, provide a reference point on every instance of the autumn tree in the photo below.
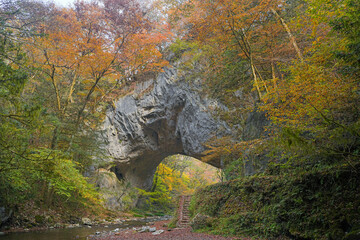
(239, 48)
(85, 55)
(316, 98)
(60, 68)
(286, 52)
(27, 169)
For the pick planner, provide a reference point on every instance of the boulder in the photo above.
(200, 221)
(116, 194)
(5, 215)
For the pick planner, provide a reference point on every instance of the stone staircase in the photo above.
(183, 212)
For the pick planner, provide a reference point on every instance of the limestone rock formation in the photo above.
(163, 116)
(116, 194)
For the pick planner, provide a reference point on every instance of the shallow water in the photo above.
(79, 233)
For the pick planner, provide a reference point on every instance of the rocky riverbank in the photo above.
(157, 230)
(89, 223)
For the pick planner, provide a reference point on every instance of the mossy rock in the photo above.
(49, 219)
(40, 219)
(201, 221)
(29, 225)
(172, 223)
(74, 219)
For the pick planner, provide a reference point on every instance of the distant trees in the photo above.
(176, 175)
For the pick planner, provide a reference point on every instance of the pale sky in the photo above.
(66, 3)
(63, 3)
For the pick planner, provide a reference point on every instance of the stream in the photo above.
(78, 233)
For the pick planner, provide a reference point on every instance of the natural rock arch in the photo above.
(162, 117)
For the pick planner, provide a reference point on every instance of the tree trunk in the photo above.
(153, 188)
(292, 38)
(273, 74)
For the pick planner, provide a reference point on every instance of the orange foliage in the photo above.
(88, 52)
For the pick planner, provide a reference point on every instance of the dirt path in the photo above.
(178, 233)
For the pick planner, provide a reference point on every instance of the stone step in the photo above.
(184, 218)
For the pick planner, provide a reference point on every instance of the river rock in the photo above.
(117, 221)
(86, 221)
(144, 229)
(158, 232)
(58, 225)
(72, 225)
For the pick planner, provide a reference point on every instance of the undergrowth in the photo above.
(321, 203)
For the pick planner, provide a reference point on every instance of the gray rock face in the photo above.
(163, 117)
(5, 215)
(254, 126)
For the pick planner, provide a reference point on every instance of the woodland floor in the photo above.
(177, 233)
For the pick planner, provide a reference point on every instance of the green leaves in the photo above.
(314, 205)
(349, 26)
(29, 170)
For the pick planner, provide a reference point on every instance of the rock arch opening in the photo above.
(177, 175)
(198, 173)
